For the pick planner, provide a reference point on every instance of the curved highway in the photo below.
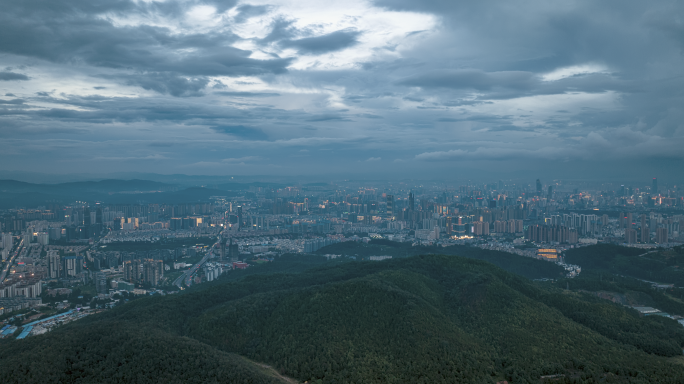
(187, 275)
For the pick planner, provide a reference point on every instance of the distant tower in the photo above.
(654, 187)
(412, 202)
(223, 248)
(390, 206)
(550, 191)
(233, 250)
(539, 188)
(645, 232)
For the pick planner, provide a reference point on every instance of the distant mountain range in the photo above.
(15, 193)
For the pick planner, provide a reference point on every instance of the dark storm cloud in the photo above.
(12, 102)
(328, 117)
(68, 32)
(247, 94)
(281, 29)
(140, 48)
(9, 76)
(165, 83)
(246, 11)
(241, 131)
(470, 79)
(330, 42)
(508, 83)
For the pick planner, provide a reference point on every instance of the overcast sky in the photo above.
(384, 87)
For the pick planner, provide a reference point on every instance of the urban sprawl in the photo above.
(61, 261)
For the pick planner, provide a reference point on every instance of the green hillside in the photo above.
(520, 265)
(116, 352)
(661, 265)
(424, 319)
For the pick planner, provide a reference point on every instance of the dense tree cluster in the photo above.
(661, 265)
(520, 265)
(423, 319)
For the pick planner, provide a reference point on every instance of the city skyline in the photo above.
(399, 89)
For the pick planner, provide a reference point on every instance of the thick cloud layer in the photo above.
(391, 88)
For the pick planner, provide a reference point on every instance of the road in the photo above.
(187, 275)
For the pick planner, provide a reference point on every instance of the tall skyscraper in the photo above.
(645, 233)
(53, 264)
(233, 251)
(654, 187)
(223, 248)
(412, 202)
(630, 236)
(390, 206)
(7, 241)
(539, 188)
(550, 193)
(72, 266)
(153, 271)
(101, 282)
(661, 235)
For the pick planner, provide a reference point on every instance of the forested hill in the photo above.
(520, 265)
(423, 319)
(659, 265)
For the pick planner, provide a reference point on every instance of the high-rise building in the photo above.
(630, 236)
(7, 241)
(539, 188)
(654, 186)
(645, 234)
(101, 282)
(86, 216)
(460, 227)
(233, 251)
(72, 266)
(604, 220)
(175, 224)
(132, 271)
(661, 235)
(43, 238)
(390, 206)
(550, 193)
(153, 270)
(412, 202)
(53, 264)
(222, 248)
(98, 214)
